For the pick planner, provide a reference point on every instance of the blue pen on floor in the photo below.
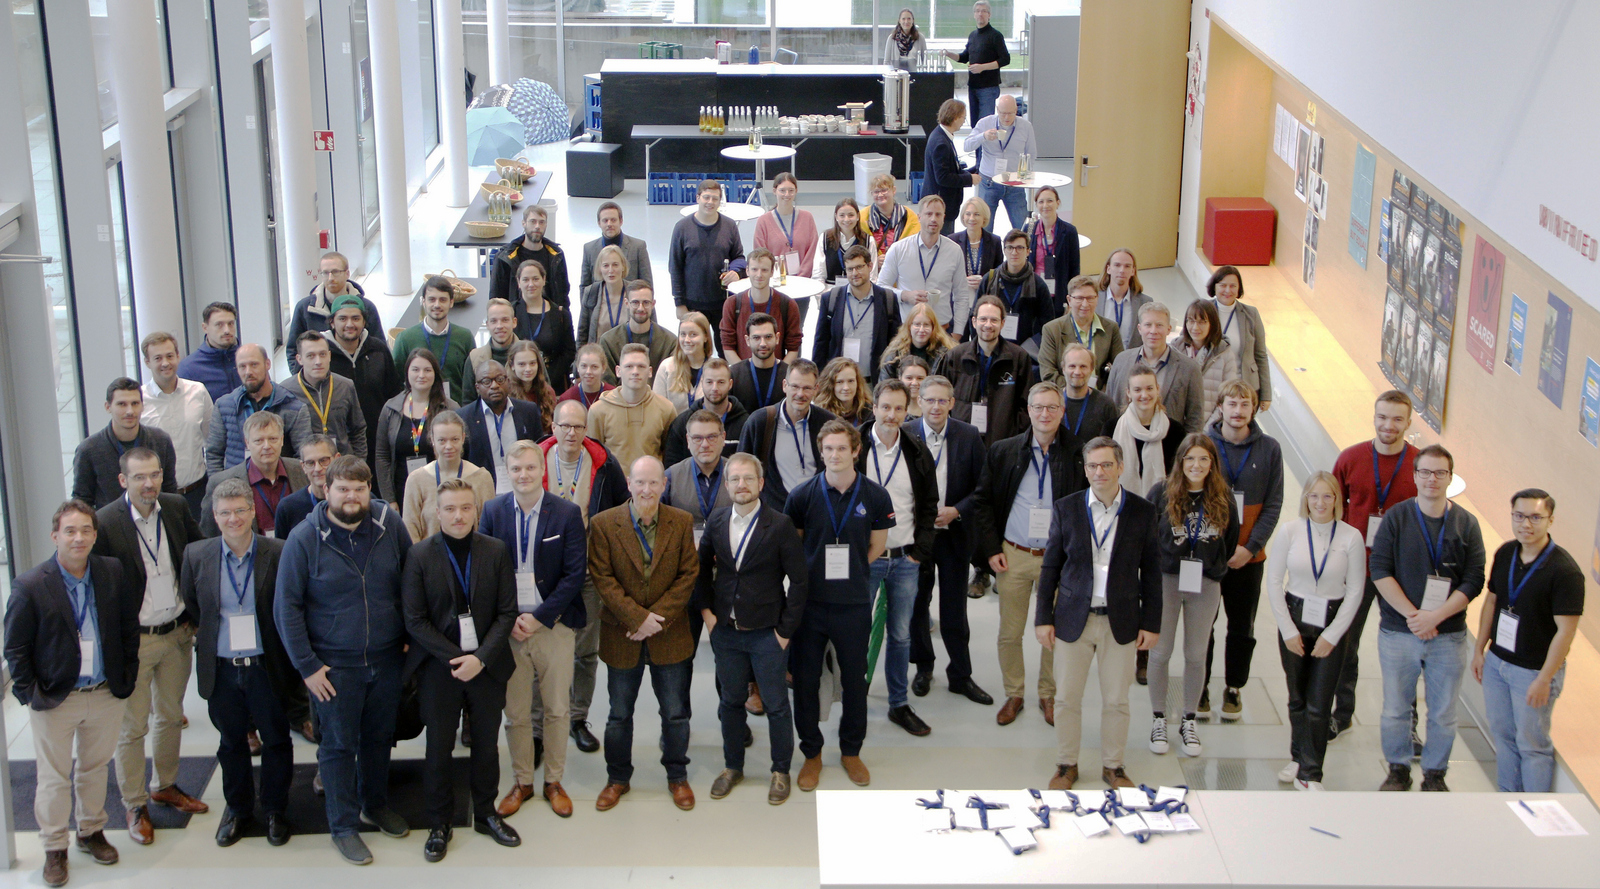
(1329, 833)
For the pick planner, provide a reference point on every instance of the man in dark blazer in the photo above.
(772, 432)
(459, 592)
(634, 250)
(842, 315)
(487, 440)
(71, 645)
(147, 532)
(941, 168)
(1099, 600)
(958, 453)
(241, 667)
(545, 536)
(747, 552)
(94, 464)
(716, 382)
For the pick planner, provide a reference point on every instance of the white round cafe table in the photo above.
(1083, 241)
(796, 288)
(1036, 179)
(736, 212)
(760, 156)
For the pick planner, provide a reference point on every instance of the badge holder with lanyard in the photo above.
(444, 355)
(528, 595)
(1045, 247)
(242, 631)
(1314, 608)
(1191, 570)
(980, 408)
(1438, 588)
(1102, 573)
(1039, 517)
(1234, 473)
(928, 268)
(1507, 621)
(1008, 327)
(1382, 490)
(469, 629)
(707, 499)
(87, 642)
(852, 344)
(416, 462)
(772, 382)
(836, 555)
(502, 475)
(791, 259)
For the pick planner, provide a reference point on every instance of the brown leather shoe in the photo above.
(514, 798)
(1064, 778)
(140, 830)
(810, 774)
(95, 844)
(752, 704)
(560, 803)
(609, 796)
(1008, 711)
(1116, 777)
(307, 731)
(55, 868)
(1047, 706)
(183, 723)
(857, 770)
(778, 790)
(175, 797)
(682, 795)
(253, 741)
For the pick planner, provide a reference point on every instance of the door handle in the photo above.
(1083, 179)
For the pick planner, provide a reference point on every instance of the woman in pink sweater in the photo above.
(789, 233)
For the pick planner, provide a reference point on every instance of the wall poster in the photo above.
(1361, 204)
(1516, 332)
(1383, 232)
(1553, 349)
(1589, 410)
(1424, 269)
(1483, 302)
(1302, 161)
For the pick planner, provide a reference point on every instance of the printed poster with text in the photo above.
(1516, 332)
(1553, 349)
(1483, 303)
(1424, 269)
(1589, 410)
(1361, 204)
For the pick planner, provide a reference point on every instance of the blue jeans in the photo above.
(994, 194)
(1440, 662)
(357, 735)
(671, 685)
(744, 656)
(1525, 759)
(980, 104)
(900, 576)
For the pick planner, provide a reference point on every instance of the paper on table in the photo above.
(1056, 799)
(1133, 798)
(1130, 825)
(1169, 794)
(1092, 824)
(1018, 840)
(935, 819)
(1547, 818)
(1157, 821)
(1182, 822)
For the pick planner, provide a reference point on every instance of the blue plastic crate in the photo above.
(591, 107)
(664, 188)
(916, 187)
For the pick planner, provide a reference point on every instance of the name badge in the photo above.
(528, 596)
(86, 656)
(447, 394)
(242, 632)
(502, 480)
(1238, 502)
(1050, 284)
(980, 417)
(469, 632)
(1092, 824)
(415, 463)
(999, 165)
(699, 532)
(792, 263)
(1008, 328)
(1039, 523)
(838, 282)
(852, 348)
(1435, 593)
(1314, 611)
(836, 561)
(1189, 574)
(1102, 578)
(1505, 630)
(1373, 521)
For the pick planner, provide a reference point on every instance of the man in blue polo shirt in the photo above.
(844, 520)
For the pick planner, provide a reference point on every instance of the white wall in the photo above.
(1491, 103)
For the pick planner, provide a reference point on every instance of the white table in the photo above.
(797, 287)
(737, 212)
(1083, 241)
(760, 156)
(1036, 179)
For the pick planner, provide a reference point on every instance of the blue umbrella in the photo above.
(492, 132)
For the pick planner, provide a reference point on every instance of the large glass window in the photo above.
(936, 19)
(429, 69)
(119, 240)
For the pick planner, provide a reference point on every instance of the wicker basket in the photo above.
(505, 187)
(482, 228)
(461, 290)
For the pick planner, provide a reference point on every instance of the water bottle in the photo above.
(755, 54)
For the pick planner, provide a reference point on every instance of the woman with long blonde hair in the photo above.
(921, 335)
(678, 377)
(1198, 532)
(843, 392)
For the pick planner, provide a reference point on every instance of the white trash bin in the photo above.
(868, 166)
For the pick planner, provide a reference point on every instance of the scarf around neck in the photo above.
(1141, 471)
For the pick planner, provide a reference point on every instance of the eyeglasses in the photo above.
(1532, 518)
(1097, 467)
(225, 514)
(706, 439)
(319, 463)
(495, 380)
(1016, 248)
(937, 402)
(1046, 408)
(334, 273)
(1440, 474)
(572, 427)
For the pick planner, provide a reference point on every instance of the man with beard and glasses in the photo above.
(641, 328)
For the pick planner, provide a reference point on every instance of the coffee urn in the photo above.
(897, 101)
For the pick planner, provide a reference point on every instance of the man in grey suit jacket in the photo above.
(610, 218)
(1182, 389)
(272, 476)
(242, 669)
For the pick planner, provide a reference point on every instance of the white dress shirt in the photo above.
(508, 437)
(911, 264)
(1104, 520)
(737, 525)
(887, 466)
(935, 440)
(185, 416)
(161, 603)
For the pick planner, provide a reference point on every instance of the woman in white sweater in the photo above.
(1316, 572)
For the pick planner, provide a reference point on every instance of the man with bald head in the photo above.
(1004, 138)
(643, 562)
(225, 446)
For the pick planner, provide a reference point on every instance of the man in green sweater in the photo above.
(450, 343)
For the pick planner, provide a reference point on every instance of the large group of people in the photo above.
(469, 531)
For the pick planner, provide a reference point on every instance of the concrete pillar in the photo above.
(452, 99)
(499, 20)
(388, 128)
(772, 31)
(291, 84)
(152, 227)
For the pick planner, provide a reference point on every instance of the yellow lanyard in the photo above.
(327, 403)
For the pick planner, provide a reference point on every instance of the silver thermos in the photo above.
(897, 101)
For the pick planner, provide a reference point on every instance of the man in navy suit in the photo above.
(546, 539)
(941, 168)
(489, 436)
(958, 452)
(1099, 599)
(746, 553)
(72, 646)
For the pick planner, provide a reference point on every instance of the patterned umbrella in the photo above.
(543, 115)
(492, 132)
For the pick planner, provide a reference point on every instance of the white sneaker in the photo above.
(1289, 773)
(1158, 735)
(1189, 736)
(1307, 785)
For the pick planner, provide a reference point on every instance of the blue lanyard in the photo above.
(877, 468)
(1383, 492)
(1227, 464)
(827, 501)
(1009, 136)
(1116, 307)
(985, 361)
(1078, 334)
(788, 230)
(795, 431)
(1159, 367)
(975, 258)
(524, 526)
(849, 307)
(1081, 412)
(1100, 539)
(926, 271)
(540, 328)
(1514, 589)
(649, 551)
(1435, 550)
(439, 480)
(499, 434)
(1316, 569)
(428, 335)
(928, 439)
(738, 551)
(703, 487)
(772, 383)
(80, 611)
(461, 576)
(155, 554)
(611, 310)
(584, 396)
(1010, 298)
(1040, 465)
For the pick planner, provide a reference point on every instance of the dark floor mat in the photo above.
(194, 773)
(308, 812)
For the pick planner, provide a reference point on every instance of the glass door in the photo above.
(366, 138)
(266, 113)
